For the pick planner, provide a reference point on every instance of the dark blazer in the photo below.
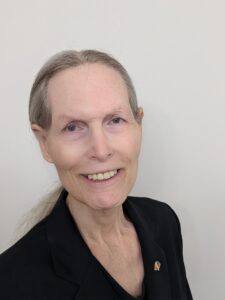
(52, 262)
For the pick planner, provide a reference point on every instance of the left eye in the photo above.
(117, 120)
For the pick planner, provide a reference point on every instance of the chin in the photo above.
(106, 202)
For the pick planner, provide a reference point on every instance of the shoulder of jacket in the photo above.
(23, 251)
(160, 213)
(26, 269)
(151, 205)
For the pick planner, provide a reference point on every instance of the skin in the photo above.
(94, 130)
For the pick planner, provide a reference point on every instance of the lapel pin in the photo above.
(157, 265)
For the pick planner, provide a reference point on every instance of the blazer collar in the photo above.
(74, 262)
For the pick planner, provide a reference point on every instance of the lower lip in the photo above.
(103, 182)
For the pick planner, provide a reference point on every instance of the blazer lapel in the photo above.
(156, 273)
(72, 260)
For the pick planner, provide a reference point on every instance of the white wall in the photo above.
(175, 53)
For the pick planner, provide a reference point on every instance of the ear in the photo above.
(41, 135)
(140, 115)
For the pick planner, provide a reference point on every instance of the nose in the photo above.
(100, 148)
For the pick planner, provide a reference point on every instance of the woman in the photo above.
(96, 242)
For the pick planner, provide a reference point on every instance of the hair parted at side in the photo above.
(39, 110)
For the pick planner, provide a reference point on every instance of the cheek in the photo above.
(130, 149)
(65, 157)
(129, 146)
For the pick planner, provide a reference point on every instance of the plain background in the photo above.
(175, 52)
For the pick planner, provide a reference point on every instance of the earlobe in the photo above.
(41, 136)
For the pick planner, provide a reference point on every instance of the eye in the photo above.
(117, 120)
(71, 127)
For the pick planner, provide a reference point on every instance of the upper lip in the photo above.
(97, 172)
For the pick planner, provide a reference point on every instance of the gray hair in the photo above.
(39, 110)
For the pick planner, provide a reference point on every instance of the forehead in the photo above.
(89, 89)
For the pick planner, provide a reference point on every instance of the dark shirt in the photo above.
(120, 292)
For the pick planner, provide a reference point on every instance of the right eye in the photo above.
(73, 127)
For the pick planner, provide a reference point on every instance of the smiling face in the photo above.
(94, 139)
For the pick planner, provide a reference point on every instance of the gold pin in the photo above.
(157, 265)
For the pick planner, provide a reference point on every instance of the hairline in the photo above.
(50, 69)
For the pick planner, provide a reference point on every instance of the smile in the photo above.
(101, 176)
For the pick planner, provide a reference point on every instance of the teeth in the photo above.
(102, 176)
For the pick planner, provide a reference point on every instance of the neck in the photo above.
(98, 225)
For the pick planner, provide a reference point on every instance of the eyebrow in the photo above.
(65, 117)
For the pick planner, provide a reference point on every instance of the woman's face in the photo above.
(94, 139)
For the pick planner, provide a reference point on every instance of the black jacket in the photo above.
(52, 262)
